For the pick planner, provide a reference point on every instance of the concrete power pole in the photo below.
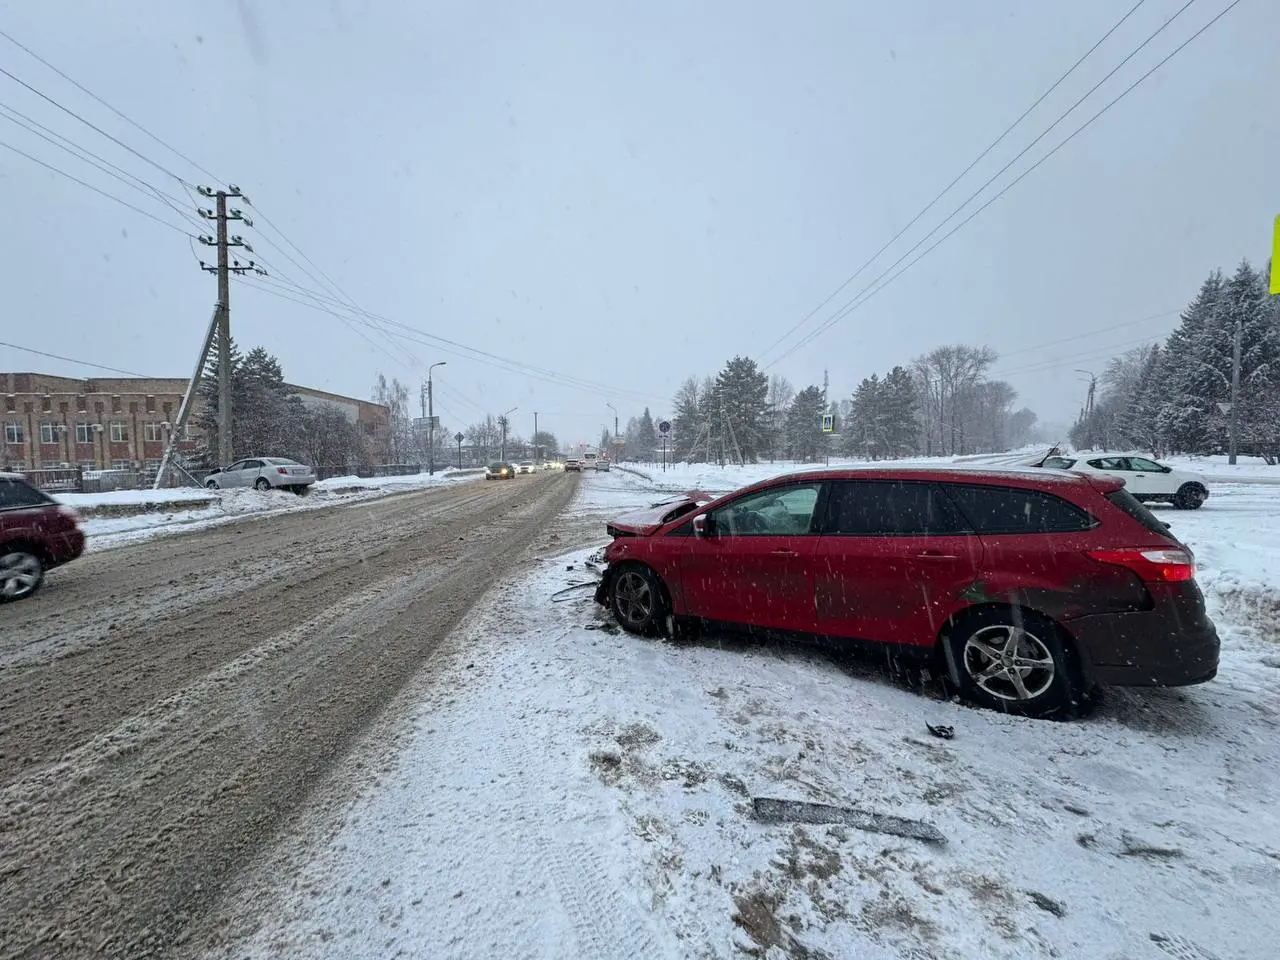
(1233, 440)
(537, 456)
(226, 266)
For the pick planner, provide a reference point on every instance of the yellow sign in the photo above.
(1275, 258)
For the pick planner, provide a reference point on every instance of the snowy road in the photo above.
(554, 789)
(164, 706)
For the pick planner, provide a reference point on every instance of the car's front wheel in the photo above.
(20, 573)
(637, 599)
(211, 484)
(1190, 496)
(1016, 661)
(262, 483)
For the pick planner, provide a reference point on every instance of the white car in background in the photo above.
(1143, 477)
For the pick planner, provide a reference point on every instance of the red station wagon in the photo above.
(1028, 588)
(36, 534)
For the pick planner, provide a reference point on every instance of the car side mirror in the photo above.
(702, 526)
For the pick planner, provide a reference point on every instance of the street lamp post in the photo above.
(431, 418)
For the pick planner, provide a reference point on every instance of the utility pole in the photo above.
(537, 456)
(615, 426)
(502, 422)
(431, 420)
(1233, 440)
(226, 266)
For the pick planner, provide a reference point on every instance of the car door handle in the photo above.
(935, 555)
(784, 552)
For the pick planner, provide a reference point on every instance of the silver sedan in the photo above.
(263, 473)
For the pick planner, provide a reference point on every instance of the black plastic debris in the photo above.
(771, 810)
(942, 731)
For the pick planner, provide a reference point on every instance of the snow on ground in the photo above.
(228, 506)
(556, 789)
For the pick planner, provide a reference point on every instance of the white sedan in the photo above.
(263, 473)
(1146, 479)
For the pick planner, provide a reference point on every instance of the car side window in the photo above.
(15, 494)
(1110, 463)
(253, 464)
(776, 512)
(890, 508)
(1141, 463)
(1011, 510)
(238, 465)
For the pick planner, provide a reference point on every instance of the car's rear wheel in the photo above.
(1015, 661)
(21, 572)
(211, 484)
(637, 599)
(262, 483)
(1190, 496)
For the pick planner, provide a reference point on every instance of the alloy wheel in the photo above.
(1009, 663)
(633, 598)
(19, 575)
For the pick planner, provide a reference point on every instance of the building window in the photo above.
(82, 404)
(10, 405)
(151, 432)
(48, 433)
(13, 433)
(84, 433)
(121, 464)
(115, 404)
(119, 432)
(46, 403)
(151, 404)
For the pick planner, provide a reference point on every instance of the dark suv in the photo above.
(1028, 588)
(36, 534)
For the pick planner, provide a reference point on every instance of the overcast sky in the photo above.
(630, 193)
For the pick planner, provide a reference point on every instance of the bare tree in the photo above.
(943, 374)
(394, 396)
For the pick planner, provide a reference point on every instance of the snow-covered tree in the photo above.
(805, 439)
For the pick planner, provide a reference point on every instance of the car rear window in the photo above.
(1058, 463)
(1012, 510)
(15, 494)
(892, 508)
(1134, 507)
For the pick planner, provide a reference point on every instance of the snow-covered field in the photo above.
(189, 508)
(556, 789)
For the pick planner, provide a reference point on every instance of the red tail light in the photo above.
(1151, 564)
(284, 471)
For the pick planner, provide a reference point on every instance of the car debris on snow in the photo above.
(942, 731)
(773, 810)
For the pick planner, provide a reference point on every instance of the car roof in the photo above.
(999, 476)
(5, 475)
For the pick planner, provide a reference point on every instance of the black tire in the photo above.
(211, 484)
(1038, 677)
(638, 599)
(1190, 496)
(302, 490)
(21, 573)
(262, 483)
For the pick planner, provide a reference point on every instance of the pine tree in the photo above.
(899, 427)
(1193, 381)
(805, 439)
(686, 423)
(742, 394)
(863, 431)
(646, 439)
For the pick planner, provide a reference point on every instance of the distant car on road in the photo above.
(573, 465)
(36, 534)
(1143, 477)
(1027, 588)
(263, 473)
(602, 464)
(589, 461)
(526, 466)
(500, 471)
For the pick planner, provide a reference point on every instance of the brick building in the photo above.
(119, 422)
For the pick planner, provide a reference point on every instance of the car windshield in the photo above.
(328, 628)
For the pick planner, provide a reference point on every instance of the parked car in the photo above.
(589, 461)
(263, 473)
(1143, 477)
(526, 466)
(500, 471)
(573, 465)
(36, 534)
(1028, 588)
(602, 464)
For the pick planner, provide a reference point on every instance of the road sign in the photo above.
(828, 422)
(1224, 406)
(664, 427)
(1275, 258)
(458, 438)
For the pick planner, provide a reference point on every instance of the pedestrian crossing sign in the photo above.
(828, 422)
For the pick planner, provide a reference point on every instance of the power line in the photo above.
(83, 363)
(1097, 353)
(133, 123)
(93, 126)
(947, 189)
(861, 298)
(109, 196)
(94, 160)
(1090, 333)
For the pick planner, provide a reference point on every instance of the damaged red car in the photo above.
(1028, 588)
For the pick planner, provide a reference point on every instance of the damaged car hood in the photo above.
(644, 523)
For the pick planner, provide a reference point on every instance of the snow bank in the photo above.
(117, 498)
(413, 481)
